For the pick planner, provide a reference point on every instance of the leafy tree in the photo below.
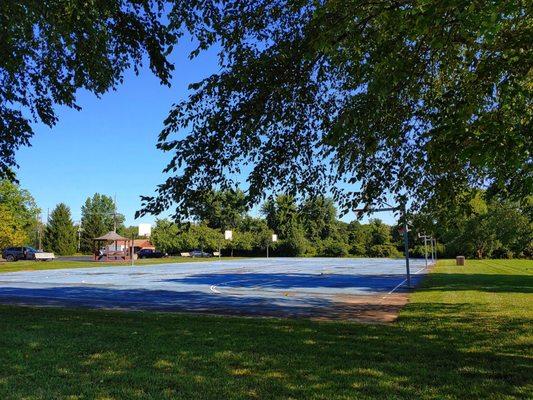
(332, 247)
(163, 234)
(208, 239)
(98, 216)
(294, 243)
(172, 238)
(419, 99)
(128, 231)
(319, 218)
(282, 215)
(261, 235)
(358, 238)
(514, 230)
(23, 211)
(51, 49)
(11, 233)
(60, 233)
(380, 244)
(221, 209)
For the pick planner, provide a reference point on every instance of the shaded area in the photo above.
(437, 350)
(338, 307)
(490, 282)
(372, 283)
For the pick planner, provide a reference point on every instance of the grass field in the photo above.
(59, 263)
(467, 334)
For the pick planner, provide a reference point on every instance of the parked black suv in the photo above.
(150, 253)
(19, 253)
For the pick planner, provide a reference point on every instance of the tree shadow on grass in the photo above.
(479, 282)
(436, 351)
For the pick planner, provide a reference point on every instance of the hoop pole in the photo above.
(406, 246)
(435, 250)
(426, 249)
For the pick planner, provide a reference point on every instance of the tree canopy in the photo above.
(414, 99)
(19, 214)
(50, 49)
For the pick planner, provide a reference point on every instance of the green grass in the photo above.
(466, 334)
(59, 263)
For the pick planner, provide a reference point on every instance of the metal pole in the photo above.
(426, 249)
(406, 246)
(432, 252)
(132, 252)
(40, 230)
(435, 250)
(267, 250)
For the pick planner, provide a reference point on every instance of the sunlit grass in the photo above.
(466, 334)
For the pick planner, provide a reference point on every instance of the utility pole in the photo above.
(40, 230)
(115, 213)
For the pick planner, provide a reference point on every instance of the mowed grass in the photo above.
(60, 264)
(466, 334)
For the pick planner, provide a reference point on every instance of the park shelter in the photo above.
(113, 252)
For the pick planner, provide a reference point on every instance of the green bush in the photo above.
(334, 248)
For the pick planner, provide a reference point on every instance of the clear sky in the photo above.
(109, 146)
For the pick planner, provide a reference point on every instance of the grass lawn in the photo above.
(59, 263)
(467, 334)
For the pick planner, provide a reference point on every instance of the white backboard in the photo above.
(145, 229)
(228, 235)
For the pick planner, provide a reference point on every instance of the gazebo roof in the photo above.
(111, 236)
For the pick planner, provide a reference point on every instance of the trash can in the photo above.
(460, 261)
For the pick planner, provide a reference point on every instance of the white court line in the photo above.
(405, 280)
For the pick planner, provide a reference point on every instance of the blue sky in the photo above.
(109, 146)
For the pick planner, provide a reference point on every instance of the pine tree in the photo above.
(98, 216)
(60, 234)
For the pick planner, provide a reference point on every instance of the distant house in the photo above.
(139, 244)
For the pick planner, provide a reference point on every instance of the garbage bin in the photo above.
(460, 260)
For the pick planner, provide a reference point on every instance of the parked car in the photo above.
(200, 253)
(26, 253)
(150, 253)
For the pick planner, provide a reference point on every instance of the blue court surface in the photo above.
(309, 287)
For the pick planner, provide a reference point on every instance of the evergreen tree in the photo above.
(60, 234)
(98, 216)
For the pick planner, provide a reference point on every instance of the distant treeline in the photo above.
(481, 229)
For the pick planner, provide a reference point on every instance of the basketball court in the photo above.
(323, 288)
